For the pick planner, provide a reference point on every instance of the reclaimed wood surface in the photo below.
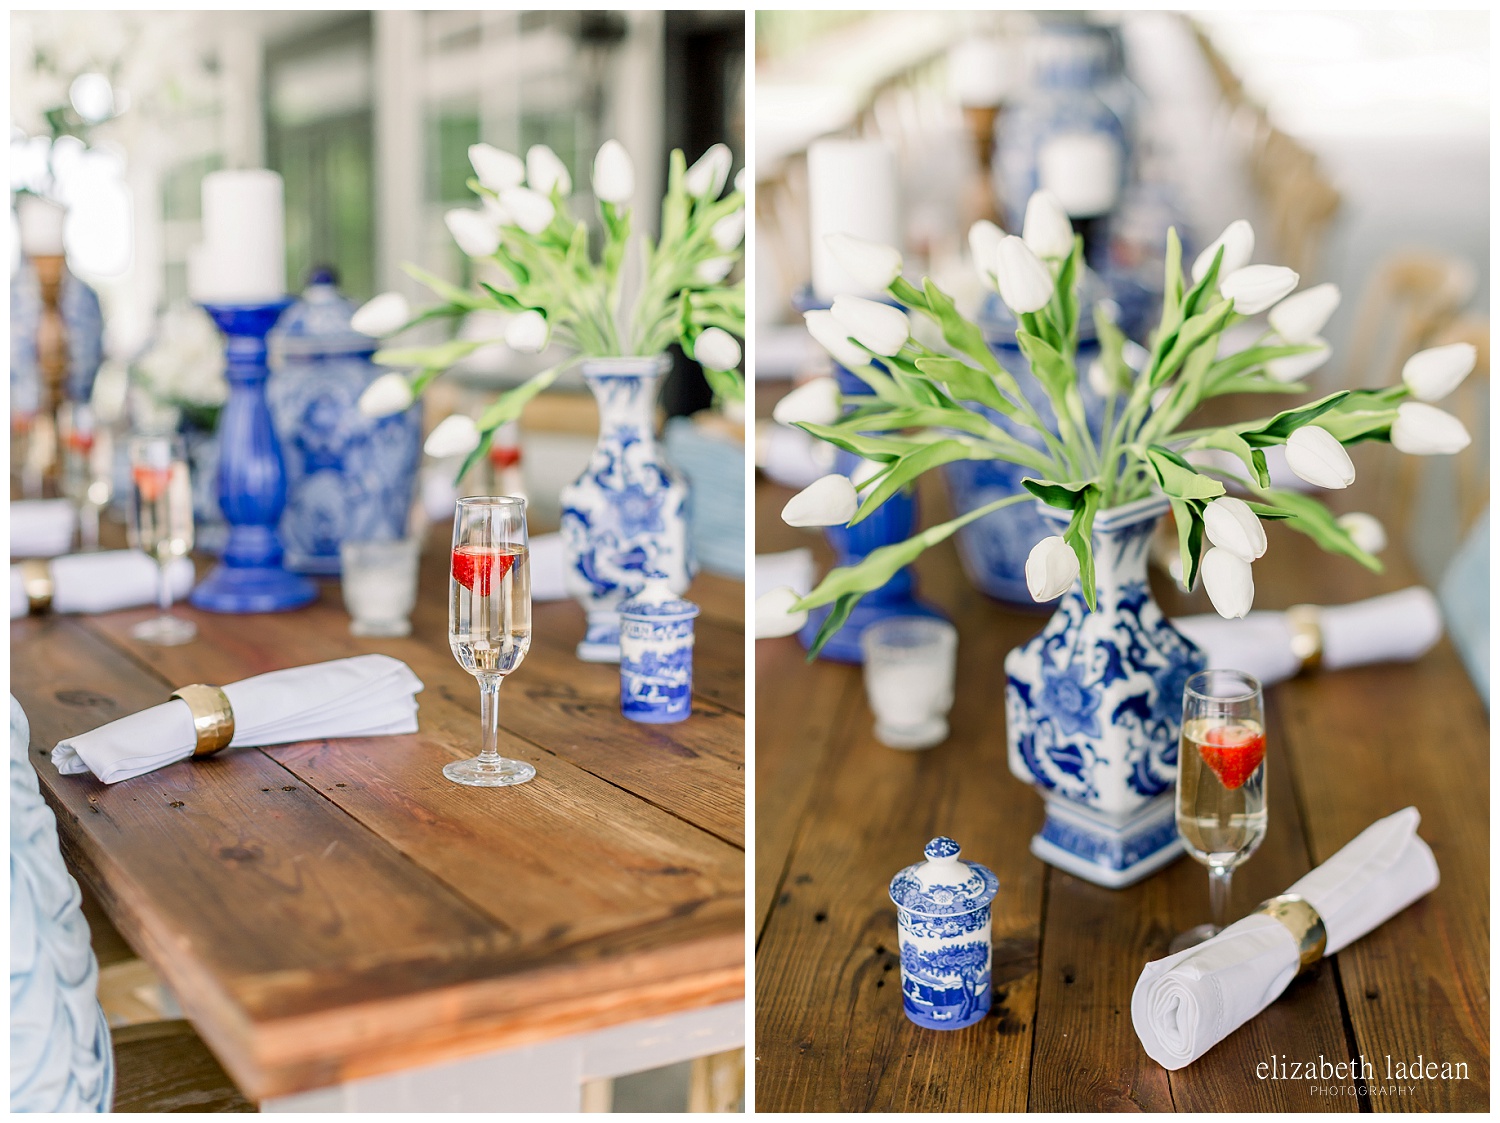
(837, 814)
(336, 909)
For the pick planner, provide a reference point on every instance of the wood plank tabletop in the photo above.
(336, 909)
(837, 814)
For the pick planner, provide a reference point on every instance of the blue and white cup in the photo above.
(943, 925)
(656, 654)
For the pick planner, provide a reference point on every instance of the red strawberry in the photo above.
(476, 568)
(151, 482)
(1233, 752)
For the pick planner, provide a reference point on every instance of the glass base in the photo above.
(923, 735)
(165, 631)
(477, 773)
(358, 627)
(1193, 937)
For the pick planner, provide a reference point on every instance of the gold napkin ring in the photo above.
(1302, 921)
(36, 579)
(213, 719)
(1306, 623)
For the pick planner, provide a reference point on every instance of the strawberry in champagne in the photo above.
(490, 611)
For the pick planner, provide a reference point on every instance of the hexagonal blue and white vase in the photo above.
(627, 515)
(943, 926)
(656, 654)
(1093, 711)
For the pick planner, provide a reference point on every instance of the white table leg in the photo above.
(545, 1077)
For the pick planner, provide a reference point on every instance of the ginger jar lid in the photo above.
(943, 885)
(319, 323)
(656, 601)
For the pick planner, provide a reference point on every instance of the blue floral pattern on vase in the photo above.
(627, 515)
(656, 655)
(1094, 710)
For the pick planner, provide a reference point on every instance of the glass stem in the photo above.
(489, 718)
(163, 588)
(1218, 894)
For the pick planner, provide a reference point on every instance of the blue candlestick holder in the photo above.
(895, 521)
(252, 476)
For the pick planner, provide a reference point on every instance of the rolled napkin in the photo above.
(1395, 627)
(104, 582)
(41, 528)
(1186, 1004)
(365, 696)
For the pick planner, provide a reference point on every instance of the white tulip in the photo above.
(1433, 374)
(984, 247)
(1099, 379)
(614, 174)
(496, 212)
(774, 616)
(873, 265)
(1290, 368)
(1051, 569)
(816, 401)
(1046, 228)
(1025, 283)
(1366, 530)
(381, 315)
(739, 179)
(496, 169)
(1228, 582)
(1256, 287)
(716, 349)
(714, 270)
(474, 232)
(1300, 317)
(455, 435)
(829, 501)
(729, 231)
(526, 332)
(1316, 455)
(709, 174)
(1232, 525)
(877, 327)
(545, 171)
(1238, 241)
(388, 394)
(834, 339)
(1424, 430)
(531, 210)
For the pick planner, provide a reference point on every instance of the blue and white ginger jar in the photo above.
(1093, 711)
(656, 654)
(349, 477)
(627, 515)
(943, 925)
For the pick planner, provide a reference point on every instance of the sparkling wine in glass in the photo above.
(1221, 783)
(86, 467)
(489, 621)
(161, 524)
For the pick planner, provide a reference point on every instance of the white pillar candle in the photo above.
(851, 187)
(41, 223)
(980, 72)
(243, 256)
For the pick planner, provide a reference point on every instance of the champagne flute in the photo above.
(1221, 783)
(489, 621)
(161, 524)
(82, 452)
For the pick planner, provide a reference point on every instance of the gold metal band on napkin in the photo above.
(36, 579)
(213, 719)
(1306, 623)
(1302, 921)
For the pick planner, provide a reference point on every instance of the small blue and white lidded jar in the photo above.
(943, 922)
(656, 654)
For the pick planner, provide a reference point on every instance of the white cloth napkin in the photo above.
(103, 582)
(549, 562)
(41, 528)
(365, 696)
(1186, 1004)
(791, 457)
(1396, 627)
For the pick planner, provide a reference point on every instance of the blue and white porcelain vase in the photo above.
(656, 654)
(943, 926)
(348, 477)
(627, 515)
(1093, 710)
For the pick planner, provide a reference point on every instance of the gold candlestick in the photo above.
(52, 364)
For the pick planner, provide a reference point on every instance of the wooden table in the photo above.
(336, 915)
(837, 814)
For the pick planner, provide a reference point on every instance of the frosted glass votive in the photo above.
(380, 585)
(909, 669)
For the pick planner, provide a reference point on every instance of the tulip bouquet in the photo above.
(631, 298)
(918, 413)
